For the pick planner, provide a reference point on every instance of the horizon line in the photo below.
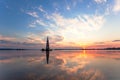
(107, 48)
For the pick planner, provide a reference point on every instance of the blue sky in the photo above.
(68, 23)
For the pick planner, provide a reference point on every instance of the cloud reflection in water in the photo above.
(63, 65)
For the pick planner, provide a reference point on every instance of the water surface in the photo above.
(63, 65)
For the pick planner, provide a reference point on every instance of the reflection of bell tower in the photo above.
(47, 50)
(47, 44)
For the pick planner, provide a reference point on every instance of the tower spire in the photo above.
(47, 44)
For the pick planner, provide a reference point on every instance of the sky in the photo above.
(67, 23)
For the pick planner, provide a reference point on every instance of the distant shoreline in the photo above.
(19, 49)
(88, 49)
(62, 49)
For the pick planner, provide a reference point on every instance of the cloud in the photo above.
(41, 9)
(108, 9)
(99, 42)
(38, 22)
(17, 44)
(116, 7)
(34, 38)
(68, 7)
(116, 41)
(7, 38)
(80, 25)
(57, 24)
(31, 41)
(77, 26)
(86, 22)
(100, 1)
(33, 14)
(5, 41)
(56, 38)
(32, 25)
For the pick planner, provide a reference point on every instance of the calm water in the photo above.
(63, 65)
